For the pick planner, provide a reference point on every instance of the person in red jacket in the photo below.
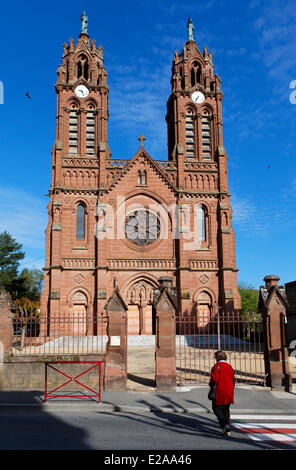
(222, 378)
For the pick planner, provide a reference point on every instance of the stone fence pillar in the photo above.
(165, 304)
(273, 304)
(115, 377)
(6, 327)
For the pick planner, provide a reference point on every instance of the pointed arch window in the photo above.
(190, 135)
(73, 129)
(82, 67)
(195, 73)
(182, 79)
(201, 224)
(142, 177)
(206, 135)
(80, 221)
(139, 178)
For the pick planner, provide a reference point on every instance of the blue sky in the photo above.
(253, 44)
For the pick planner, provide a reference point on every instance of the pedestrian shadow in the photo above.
(168, 401)
(193, 426)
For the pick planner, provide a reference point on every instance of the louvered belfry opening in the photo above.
(90, 131)
(190, 141)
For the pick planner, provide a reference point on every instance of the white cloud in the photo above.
(24, 217)
(277, 28)
(266, 216)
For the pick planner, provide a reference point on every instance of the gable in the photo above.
(115, 303)
(274, 297)
(142, 161)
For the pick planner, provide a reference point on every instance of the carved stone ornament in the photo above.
(79, 278)
(204, 279)
(185, 294)
(55, 294)
(102, 294)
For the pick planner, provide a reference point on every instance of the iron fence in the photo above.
(239, 335)
(59, 334)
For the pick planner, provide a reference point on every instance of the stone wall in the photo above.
(28, 376)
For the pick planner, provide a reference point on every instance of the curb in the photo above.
(103, 408)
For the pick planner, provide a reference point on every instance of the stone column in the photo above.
(116, 353)
(6, 328)
(273, 304)
(165, 304)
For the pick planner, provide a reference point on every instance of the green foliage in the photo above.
(30, 283)
(10, 255)
(250, 313)
(26, 284)
(249, 298)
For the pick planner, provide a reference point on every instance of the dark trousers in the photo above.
(223, 414)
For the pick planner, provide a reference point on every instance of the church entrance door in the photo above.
(139, 315)
(79, 313)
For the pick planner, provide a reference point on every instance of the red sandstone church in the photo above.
(127, 222)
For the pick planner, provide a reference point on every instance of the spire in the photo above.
(190, 29)
(84, 23)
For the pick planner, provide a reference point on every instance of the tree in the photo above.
(10, 255)
(249, 297)
(29, 284)
(250, 313)
(26, 318)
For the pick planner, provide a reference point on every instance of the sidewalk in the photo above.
(248, 400)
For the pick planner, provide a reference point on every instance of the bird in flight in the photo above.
(27, 94)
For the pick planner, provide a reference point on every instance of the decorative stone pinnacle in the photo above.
(141, 139)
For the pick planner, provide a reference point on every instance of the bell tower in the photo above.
(82, 97)
(195, 149)
(78, 171)
(194, 107)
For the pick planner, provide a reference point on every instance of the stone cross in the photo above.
(141, 139)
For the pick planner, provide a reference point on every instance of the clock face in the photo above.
(81, 91)
(198, 97)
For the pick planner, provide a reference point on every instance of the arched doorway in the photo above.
(139, 298)
(203, 308)
(79, 313)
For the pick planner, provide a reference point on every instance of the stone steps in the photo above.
(148, 340)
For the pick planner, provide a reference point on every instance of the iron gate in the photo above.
(239, 335)
(60, 334)
(71, 346)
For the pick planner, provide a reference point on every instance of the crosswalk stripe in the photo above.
(277, 431)
(273, 437)
(262, 417)
(266, 425)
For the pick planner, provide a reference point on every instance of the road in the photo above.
(75, 429)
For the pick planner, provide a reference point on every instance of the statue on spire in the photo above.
(84, 21)
(190, 29)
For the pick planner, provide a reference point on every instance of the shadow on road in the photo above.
(26, 428)
(141, 380)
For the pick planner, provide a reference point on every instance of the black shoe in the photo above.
(226, 431)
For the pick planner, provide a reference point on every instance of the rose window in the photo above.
(142, 228)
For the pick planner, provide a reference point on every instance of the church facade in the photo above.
(126, 222)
